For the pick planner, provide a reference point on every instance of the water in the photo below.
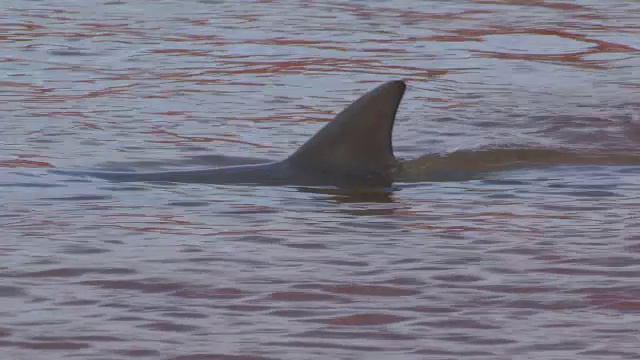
(537, 260)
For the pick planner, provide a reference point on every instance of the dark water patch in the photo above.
(604, 261)
(88, 338)
(126, 318)
(124, 188)
(307, 246)
(248, 308)
(211, 259)
(251, 211)
(78, 302)
(477, 340)
(502, 196)
(458, 278)
(548, 305)
(168, 327)
(364, 319)
(292, 313)
(370, 290)
(591, 193)
(324, 345)
(386, 225)
(74, 272)
(188, 250)
(12, 291)
(558, 346)
(71, 53)
(76, 249)
(513, 289)
(185, 315)
(583, 271)
(505, 182)
(76, 181)
(451, 324)
(135, 353)
(31, 185)
(151, 286)
(213, 356)
(583, 186)
(189, 203)
(609, 354)
(302, 296)
(630, 170)
(38, 300)
(383, 335)
(570, 208)
(49, 346)
(80, 198)
(404, 281)
(209, 293)
(40, 322)
(455, 354)
(633, 247)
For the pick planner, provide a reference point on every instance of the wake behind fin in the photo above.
(356, 146)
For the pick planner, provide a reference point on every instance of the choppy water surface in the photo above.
(538, 260)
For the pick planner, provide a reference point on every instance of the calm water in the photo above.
(538, 260)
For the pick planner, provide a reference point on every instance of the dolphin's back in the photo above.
(266, 174)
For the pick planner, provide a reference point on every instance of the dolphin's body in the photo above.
(353, 150)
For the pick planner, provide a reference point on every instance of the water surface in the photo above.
(536, 259)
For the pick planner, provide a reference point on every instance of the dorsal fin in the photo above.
(355, 147)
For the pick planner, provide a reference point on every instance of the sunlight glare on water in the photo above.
(538, 258)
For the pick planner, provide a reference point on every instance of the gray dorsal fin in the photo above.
(355, 147)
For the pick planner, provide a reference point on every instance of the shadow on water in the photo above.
(347, 196)
(357, 202)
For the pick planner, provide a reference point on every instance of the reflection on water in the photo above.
(512, 233)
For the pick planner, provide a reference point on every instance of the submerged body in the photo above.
(268, 174)
(352, 150)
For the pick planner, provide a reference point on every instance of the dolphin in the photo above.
(351, 151)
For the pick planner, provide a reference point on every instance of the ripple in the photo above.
(189, 203)
(75, 272)
(219, 357)
(168, 326)
(365, 319)
(295, 296)
(213, 293)
(458, 324)
(371, 290)
(137, 352)
(324, 345)
(31, 185)
(80, 198)
(59, 345)
(145, 286)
